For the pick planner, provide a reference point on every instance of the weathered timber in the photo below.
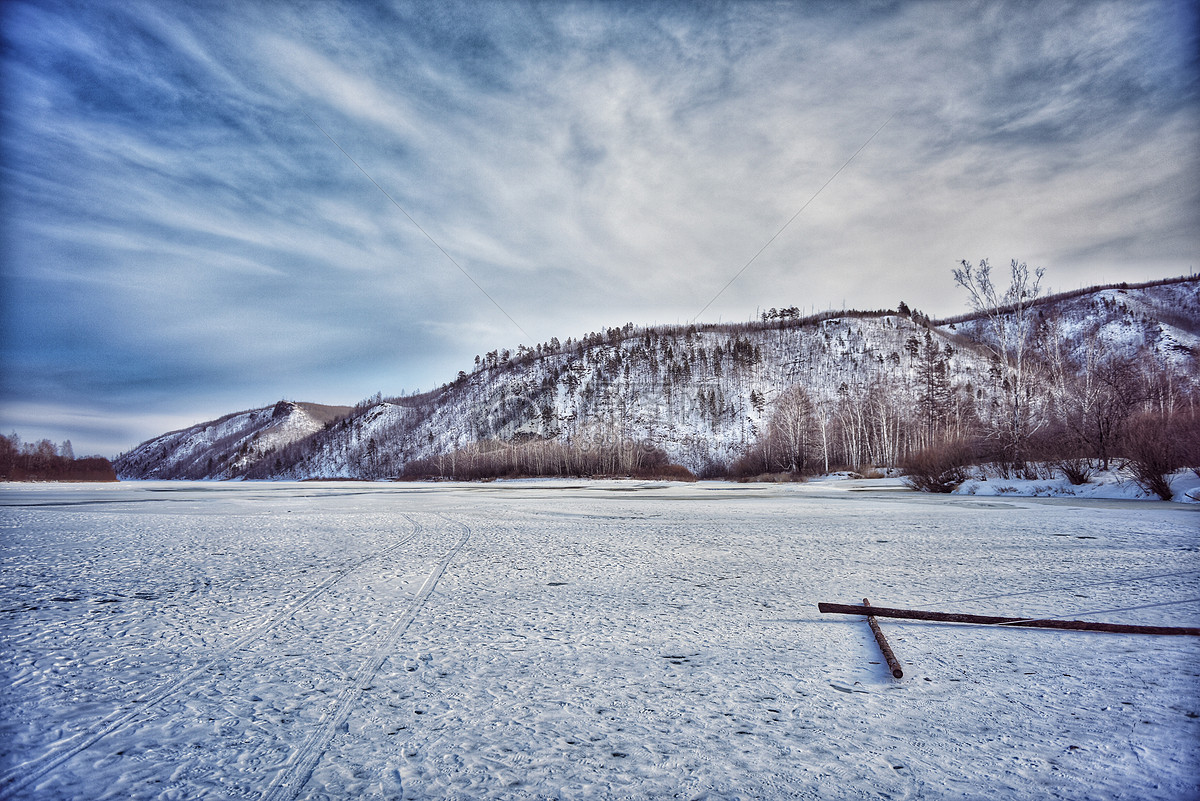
(988, 620)
(893, 663)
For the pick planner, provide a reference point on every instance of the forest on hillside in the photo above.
(1044, 404)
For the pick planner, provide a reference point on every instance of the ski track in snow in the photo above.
(144, 705)
(577, 640)
(304, 761)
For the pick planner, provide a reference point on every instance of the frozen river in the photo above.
(580, 640)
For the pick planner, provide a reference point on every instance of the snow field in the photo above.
(586, 640)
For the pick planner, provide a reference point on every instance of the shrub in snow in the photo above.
(1153, 452)
(938, 468)
(1189, 443)
(1077, 471)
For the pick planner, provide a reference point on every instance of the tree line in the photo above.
(46, 461)
(535, 456)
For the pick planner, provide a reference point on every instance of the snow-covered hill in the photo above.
(702, 394)
(1163, 319)
(231, 446)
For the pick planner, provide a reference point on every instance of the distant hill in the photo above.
(232, 446)
(879, 384)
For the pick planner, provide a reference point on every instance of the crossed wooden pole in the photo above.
(952, 617)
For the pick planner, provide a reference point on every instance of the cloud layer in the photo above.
(181, 239)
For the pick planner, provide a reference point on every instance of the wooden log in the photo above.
(987, 620)
(893, 663)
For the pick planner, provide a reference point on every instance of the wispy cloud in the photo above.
(175, 226)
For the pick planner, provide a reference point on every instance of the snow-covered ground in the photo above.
(579, 640)
(1112, 484)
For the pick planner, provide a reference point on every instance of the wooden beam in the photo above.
(987, 620)
(893, 663)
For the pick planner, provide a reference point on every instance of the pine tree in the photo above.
(934, 395)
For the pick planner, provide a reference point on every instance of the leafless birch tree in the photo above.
(1010, 320)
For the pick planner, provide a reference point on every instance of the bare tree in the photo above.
(824, 419)
(1093, 396)
(1108, 395)
(1154, 452)
(1010, 320)
(792, 429)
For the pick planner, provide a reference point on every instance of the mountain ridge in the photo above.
(702, 394)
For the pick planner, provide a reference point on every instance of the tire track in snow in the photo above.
(143, 705)
(303, 762)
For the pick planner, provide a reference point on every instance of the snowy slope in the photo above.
(1163, 319)
(229, 447)
(699, 394)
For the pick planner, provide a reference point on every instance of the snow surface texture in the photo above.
(576, 640)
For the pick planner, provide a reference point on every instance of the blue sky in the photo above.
(180, 239)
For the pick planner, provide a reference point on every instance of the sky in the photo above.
(210, 206)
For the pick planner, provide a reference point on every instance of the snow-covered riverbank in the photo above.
(1110, 485)
(556, 639)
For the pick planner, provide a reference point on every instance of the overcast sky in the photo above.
(180, 240)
